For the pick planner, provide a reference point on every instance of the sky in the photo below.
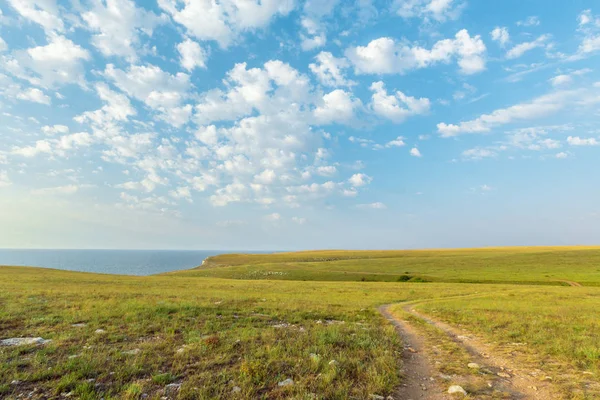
(299, 124)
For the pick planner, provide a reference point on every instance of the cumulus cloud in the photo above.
(118, 24)
(358, 180)
(577, 141)
(500, 35)
(57, 63)
(192, 55)
(223, 21)
(34, 95)
(429, 10)
(329, 70)
(337, 106)
(42, 12)
(386, 56)
(398, 106)
(415, 152)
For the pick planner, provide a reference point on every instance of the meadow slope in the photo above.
(122, 337)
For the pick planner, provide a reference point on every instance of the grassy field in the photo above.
(239, 338)
(530, 265)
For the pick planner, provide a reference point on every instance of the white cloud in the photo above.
(358, 180)
(314, 35)
(42, 12)
(337, 106)
(57, 190)
(329, 70)
(429, 10)
(192, 55)
(415, 152)
(4, 179)
(34, 95)
(54, 129)
(538, 107)
(158, 89)
(500, 35)
(41, 146)
(299, 220)
(57, 63)
(119, 24)
(374, 206)
(529, 21)
(396, 107)
(561, 155)
(182, 192)
(275, 217)
(386, 56)
(398, 142)
(223, 21)
(577, 141)
(3, 45)
(520, 49)
(560, 80)
(478, 153)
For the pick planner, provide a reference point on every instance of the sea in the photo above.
(121, 262)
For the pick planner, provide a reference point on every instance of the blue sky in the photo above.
(290, 124)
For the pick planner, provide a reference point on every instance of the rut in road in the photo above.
(513, 380)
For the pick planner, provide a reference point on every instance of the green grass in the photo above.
(525, 265)
(211, 334)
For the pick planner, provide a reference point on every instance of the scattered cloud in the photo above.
(500, 35)
(373, 206)
(415, 152)
(387, 56)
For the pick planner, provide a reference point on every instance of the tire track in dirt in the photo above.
(416, 369)
(512, 377)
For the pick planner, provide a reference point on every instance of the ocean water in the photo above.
(122, 262)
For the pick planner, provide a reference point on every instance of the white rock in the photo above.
(455, 389)
(99, 331)
(15, 383)
(236, 389)
(473, 365)
(287, 382)
(23, 341)
(172, 388)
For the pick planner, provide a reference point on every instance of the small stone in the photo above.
(376, 397)
(503, 375)
(287, 382)
(172, 388)
(473, 365)
(24, 341)
(455, 389)
(236, 389)
(15, 383)
(445, 377)
(99, 331)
